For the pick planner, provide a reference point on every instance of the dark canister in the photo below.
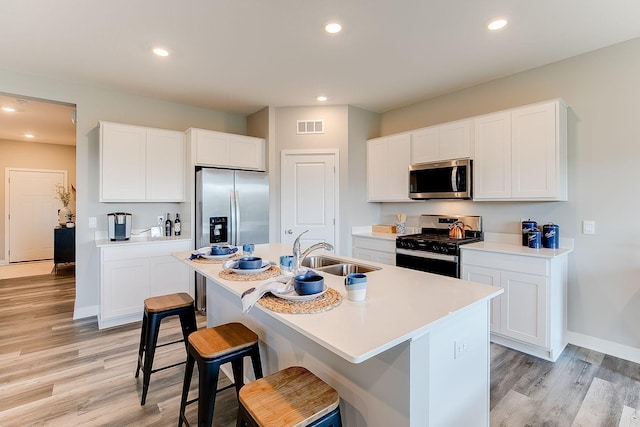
(550, 236)
(534, 239)
(527, 226)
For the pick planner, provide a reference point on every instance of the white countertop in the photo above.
(401, 305)
(512, 244)
(140, 240)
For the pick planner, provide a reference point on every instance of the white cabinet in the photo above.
(130, 273)
(530, 315)
(227, 150)
(139, 164)
(388, 160)
(443, 142)
(374, 249)
(521, 154)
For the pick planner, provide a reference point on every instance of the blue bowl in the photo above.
(222, 250)
(308, 284)
(249, 263)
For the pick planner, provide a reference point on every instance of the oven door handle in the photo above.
(428, 255)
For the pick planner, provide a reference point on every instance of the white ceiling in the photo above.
(241, 55)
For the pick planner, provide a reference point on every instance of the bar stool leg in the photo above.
(149, 353)
(188, 324)
(238, 373)
(208, 383)
(143, 338)
(188, 373)
(256, 362)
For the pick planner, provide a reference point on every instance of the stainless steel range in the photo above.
(433, 250)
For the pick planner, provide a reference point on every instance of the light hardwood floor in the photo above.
(60, 372)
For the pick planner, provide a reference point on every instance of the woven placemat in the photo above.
(215, 261)
(273, 271)
(324, 302)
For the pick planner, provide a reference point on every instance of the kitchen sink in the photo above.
(336, 266)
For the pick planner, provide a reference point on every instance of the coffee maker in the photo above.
(119, 225)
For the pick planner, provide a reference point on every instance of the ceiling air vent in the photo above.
(310, 126)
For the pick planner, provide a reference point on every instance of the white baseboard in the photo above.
(603, 346)
(83, 312)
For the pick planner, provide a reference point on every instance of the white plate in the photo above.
(265, 267)
(293, 295)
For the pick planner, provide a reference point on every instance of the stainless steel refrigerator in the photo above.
(232, 207)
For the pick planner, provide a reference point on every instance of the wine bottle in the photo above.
(167, 226)
(176, 225)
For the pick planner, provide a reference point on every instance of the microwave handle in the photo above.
(454, 178)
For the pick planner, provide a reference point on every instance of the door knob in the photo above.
(289, 232)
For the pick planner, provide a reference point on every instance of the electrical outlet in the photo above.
(93, 222)
(160, 220)
(460, 348)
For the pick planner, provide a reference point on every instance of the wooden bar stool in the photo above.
(156, 309)
(211, 348)
(288, 398)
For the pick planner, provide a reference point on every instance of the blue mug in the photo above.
(356, 284)
(248, 248)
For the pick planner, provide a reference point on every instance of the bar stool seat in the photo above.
(211, 348)
(156, 309)
(290, 397)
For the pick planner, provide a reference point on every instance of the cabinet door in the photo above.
(524, 307)
(168, 275)
(491, 277)
(125, 287)
(388, 168)
(212, 148)
(165, 165)
(425, 145)
(455, 140)
(246, 152)
(122, 162)
(492, 157)
(535, 152)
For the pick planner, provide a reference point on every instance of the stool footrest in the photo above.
(167, 367)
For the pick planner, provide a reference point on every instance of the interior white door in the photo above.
(308, 197)
(33, 213)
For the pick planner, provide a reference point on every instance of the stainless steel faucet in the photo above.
(299, 256)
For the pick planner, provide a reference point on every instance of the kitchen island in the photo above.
(414, 353)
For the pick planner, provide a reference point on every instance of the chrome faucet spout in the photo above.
(299, 255)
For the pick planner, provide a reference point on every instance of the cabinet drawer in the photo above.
(375, 244)
(123, 252)
(517, 263)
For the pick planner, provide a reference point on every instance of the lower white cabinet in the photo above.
(530, 315)
(131, 273)
(374, 249)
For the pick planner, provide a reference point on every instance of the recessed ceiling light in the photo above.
(497, 24)
(160, 51)
(322, 98)
(333, 27)
(9, 109)
(28, 135)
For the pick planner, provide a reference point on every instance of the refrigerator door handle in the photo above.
(232, 223)
(237, 204)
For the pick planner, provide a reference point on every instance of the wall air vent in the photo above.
(310, 126)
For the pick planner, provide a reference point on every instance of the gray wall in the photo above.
(32, 155)
(93, 104)
(602, 89)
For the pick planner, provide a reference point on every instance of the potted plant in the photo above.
(63, 193)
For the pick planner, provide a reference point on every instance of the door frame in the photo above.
(7, 191)
(336, 187)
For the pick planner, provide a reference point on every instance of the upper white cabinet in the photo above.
(521, 154)
(139, 164)
(442, 142)
(227, 150)
(388, 161)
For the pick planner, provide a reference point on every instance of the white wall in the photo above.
(93, 104)
(346, 129)
(602, 89)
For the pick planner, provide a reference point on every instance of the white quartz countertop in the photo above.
(143, 240)
(516, 249)
(401, 305)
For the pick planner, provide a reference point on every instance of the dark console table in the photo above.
(64, 246)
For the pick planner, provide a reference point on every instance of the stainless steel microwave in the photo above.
(450, 179)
